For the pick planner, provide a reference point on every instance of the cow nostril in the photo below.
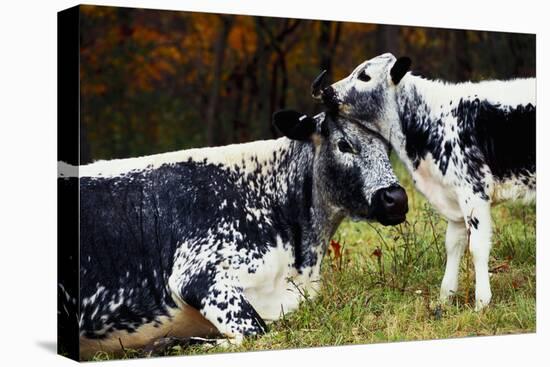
(388, 198)
(390, 205)
(394, 199)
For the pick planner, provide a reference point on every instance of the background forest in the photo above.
(155, 81)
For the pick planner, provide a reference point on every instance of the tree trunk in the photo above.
(273, 94)
(463, 69)
(85, 154)
(213, 135)
(328, 41)
(262, 83)
(387, 40)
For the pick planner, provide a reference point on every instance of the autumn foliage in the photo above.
(154, 81)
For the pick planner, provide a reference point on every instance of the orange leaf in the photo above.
(336, 247)
(377, 252)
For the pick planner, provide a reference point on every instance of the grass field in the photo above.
(385, 285)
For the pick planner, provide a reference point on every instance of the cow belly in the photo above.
(514, 189)
(441, 196)
(184, 322)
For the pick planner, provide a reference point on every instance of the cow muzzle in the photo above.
(390, 205)
(317, 85)
(327, 95)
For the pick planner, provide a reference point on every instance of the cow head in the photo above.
(351, 168)
(368, 94)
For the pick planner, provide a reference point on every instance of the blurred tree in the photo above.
(213, 136)
(155, 81)
(387, 39)
(279, 71)
(463, 69)
(328, 41)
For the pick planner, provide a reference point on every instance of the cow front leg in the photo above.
(478, 221)
(233, 314)
(224, 305)
(455, 243)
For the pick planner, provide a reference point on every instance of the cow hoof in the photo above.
(234, 341)
(446, 295)
(483, 298)
(481, 305)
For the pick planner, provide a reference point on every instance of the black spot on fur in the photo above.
(420, 130)
(329, 99)
(197, 290)
(501, 137)
(473, 222)
(445, 156)
(367, 105)
(247, 312)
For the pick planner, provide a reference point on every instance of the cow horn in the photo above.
(316, 85)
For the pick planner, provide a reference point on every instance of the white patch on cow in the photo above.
(276, 287)
(114, 305)
(428, 181)
(455, 243)
(65, 170)
(506, 93)
(228, 155)
(93, 298)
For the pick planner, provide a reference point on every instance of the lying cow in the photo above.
(214, 242)
(467, 146)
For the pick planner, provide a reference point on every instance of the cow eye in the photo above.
(363, 76)
(344, 147)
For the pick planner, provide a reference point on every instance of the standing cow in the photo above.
(466, 145)
(216, 241)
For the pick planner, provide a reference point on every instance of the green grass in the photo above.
(385, 286)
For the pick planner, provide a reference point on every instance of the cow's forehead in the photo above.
(348, 128)
(375, 61)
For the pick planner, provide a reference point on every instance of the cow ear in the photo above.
(399, 69)
(294, 125)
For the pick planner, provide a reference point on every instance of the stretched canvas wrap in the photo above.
(237, 183)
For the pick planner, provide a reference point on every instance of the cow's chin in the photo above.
(385, 221)
(391, 220)
(362, 217)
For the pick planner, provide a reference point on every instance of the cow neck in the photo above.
(311, 219)
(416, 120)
